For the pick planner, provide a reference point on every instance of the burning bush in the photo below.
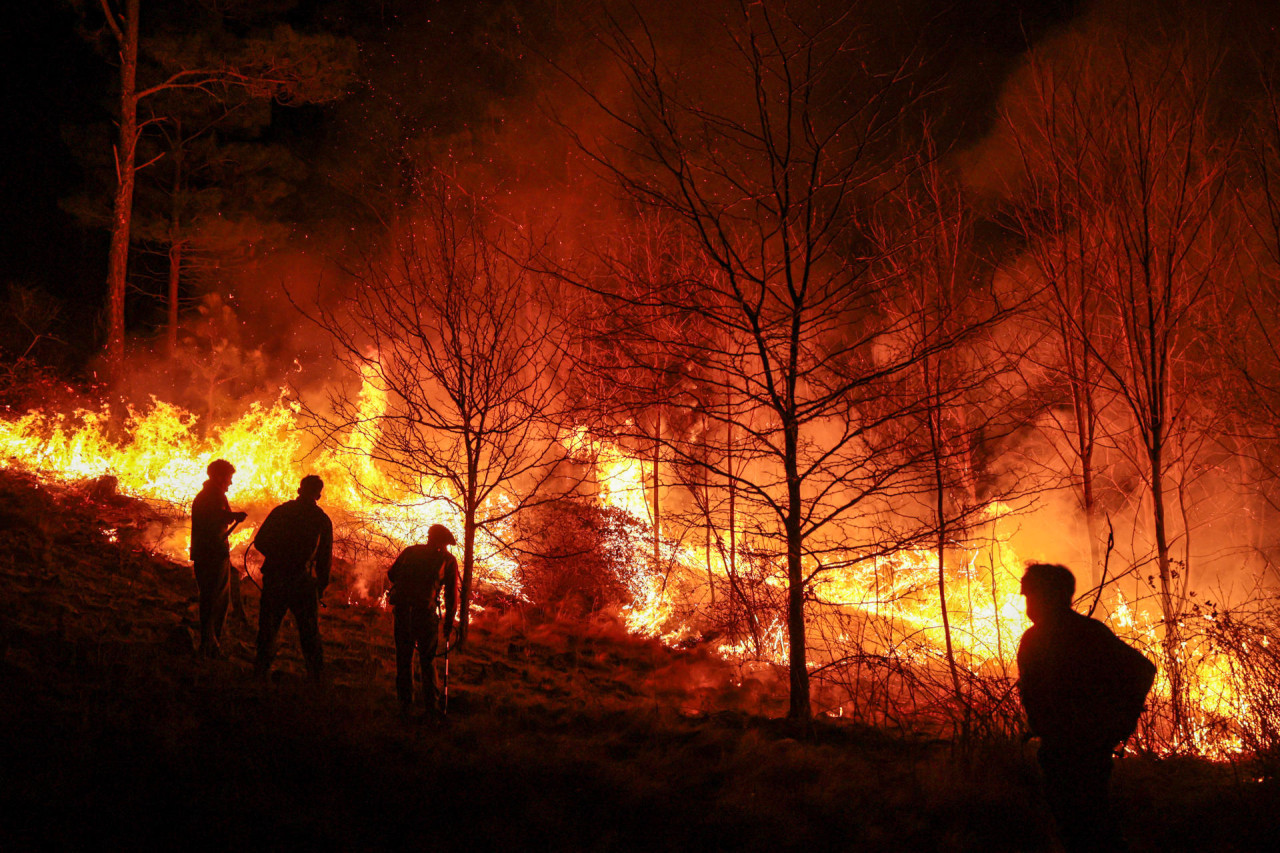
(747, 608)
(1251, 662)
(576, 555)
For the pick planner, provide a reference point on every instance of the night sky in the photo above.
(52, 79)
(59, 84)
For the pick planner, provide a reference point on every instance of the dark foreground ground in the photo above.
(560, 736)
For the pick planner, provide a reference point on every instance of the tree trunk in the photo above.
(1083, 411)
(122, 210)
(731, 563)
(748, 606)
(468, 565)
(800, 707)
(175, 250)
(940, 518)
(1096, 555)
(657, 506)
(733, 511)
(995, 595)
(709, 534)
(1170, 610)
(175, 274)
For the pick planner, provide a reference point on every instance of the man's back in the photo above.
(420, 572)
(1080, 683)
(292, 535)
(210, 514)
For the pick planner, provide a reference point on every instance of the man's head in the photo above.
(220, 473)
(438, 534)
(1049, 589)
(311, 487)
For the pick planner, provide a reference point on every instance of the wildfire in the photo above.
(986, 612)
(160, 455)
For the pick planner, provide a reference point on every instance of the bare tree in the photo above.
(124, 25)
(1254, 347)
(1066, 249)
(450, 324)
(964, 409)
(774, 174)
(1142, 205)
(285, 66)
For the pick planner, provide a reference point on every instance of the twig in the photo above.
(1106, 562)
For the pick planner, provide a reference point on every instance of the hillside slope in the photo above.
(561, 736)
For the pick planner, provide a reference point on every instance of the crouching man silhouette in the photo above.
(1083, 690)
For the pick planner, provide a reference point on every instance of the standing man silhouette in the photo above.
(417, 576)
(297, 541)
(1083, 690)
(211, 521)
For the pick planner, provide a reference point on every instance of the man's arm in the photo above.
(234, 517)
(263, 539)
(228, 517)
(212, 512)
(1134, 677)
(1031, 684)
(393, 573)
(211, 518)
(324, 552)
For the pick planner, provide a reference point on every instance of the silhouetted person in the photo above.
(297, 541)
(417, 577)
(211, 521)
(1083, 690)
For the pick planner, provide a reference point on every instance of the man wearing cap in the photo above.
(297, 541)
(211, 521)
(417, 577)
(1083, 690)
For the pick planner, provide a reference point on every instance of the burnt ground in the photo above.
(561, 735)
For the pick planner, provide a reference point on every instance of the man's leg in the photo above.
(237, 597)
(426, 631)
(305, 604)
(212, 602)
(271, 609)
(203, 583)
(405, 639)
(221, 598)
(1076, 783)
(1103, 830)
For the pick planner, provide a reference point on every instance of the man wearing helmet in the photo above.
(1083, 691)
(417, 577)
(211, 521)
(297, 541)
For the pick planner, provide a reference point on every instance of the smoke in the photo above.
(1218, 518)
(498, 99)
(1094, 46)
(513, 137)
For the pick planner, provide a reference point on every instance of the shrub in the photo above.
(576, 554)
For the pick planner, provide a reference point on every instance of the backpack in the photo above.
(418, 575)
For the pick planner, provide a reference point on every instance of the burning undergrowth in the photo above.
(876, 636)
(876, 632)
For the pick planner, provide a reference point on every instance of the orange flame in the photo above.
(162, 457)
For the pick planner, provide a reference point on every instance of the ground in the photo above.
(560, 735)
